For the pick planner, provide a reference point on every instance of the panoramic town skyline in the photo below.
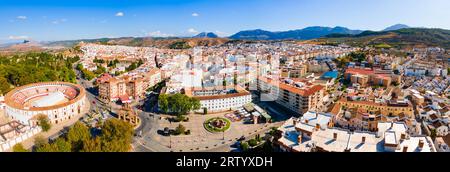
(50, 20)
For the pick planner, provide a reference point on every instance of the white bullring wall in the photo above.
(63, 113)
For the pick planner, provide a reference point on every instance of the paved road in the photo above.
(227, 147)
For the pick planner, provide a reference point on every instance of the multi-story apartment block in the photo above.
(299, 97)
(125, 87)
(367, 76)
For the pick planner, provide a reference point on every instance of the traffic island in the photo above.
(218, 124)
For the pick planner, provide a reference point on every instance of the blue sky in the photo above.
(48, 20)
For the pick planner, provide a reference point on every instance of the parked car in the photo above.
(166, 131)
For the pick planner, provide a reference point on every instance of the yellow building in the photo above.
(387, 109)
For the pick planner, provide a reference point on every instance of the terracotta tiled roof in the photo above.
(360, 71)
(307, 91)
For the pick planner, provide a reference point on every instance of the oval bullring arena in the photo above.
(59, 101)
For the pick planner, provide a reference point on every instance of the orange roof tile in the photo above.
(300, 91)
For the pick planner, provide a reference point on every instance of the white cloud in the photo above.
(18, 37)
(191, 30)
(59, 21)
(221, 34)
(159, 34)
(21, 17)
(120, 14)
(195, 14)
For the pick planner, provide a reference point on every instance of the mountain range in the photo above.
(398, 35)
(206, 35)
(300, 34)
(401, 38)
(396, 27)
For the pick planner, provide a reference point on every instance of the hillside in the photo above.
(402, 38)
(149, 42)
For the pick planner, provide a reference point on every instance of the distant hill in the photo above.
(22, 47)
(301, 34)
(206, 35)
(396, 27)
(173, 42)
(402, 38)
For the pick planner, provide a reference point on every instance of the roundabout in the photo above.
(217, 124)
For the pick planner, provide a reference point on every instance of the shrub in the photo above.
(19, 148)
(44, 123)
(180, 130)
(253, 142)
(244, 146)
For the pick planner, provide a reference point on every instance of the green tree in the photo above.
(100, 70)
(39, 141)
(244, 146)
(47, 148)
(92, 145)
(62, 145)
(19, 148)
(88, 75)
(77, 135)
(195, 103)
(80, 66)
(181, 104)
(44, 123)
(163, 103)
(116, 136)
(4, 85)
(252, 142)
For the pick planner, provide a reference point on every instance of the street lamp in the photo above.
(170, 141)
(223, 135)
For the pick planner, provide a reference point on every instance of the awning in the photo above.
(125, 99)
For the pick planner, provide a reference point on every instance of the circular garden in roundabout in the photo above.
(218, 124)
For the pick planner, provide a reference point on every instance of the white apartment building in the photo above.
(319, 135)
(218, 99)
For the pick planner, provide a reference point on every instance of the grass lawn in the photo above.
(213, 129)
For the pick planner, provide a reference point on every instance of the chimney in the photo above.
(405, 149)
(392, 124)
(335, 136)
(306, 121)
(421, 143)
(295, 122)
(363, 139)
(317, 126)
